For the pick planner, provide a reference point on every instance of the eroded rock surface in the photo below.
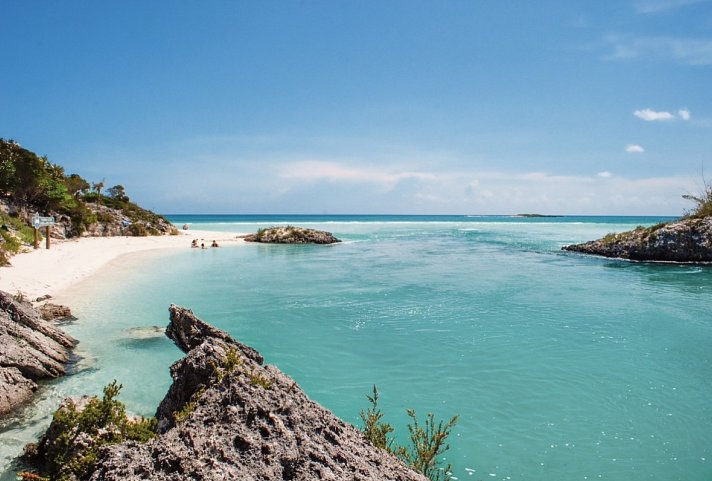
(685, 240)
(229, 417)
(30, 349)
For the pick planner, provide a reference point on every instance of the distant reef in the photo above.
(536, 215)
(31, 349)
(291, 235)
(228, 416)
(686, 240)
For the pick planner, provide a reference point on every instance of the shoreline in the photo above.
(40, 272)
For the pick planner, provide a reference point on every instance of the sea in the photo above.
(560, 366)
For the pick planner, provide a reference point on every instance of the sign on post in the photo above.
(38, 222)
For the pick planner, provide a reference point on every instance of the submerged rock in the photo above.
(227, 417)
(30, 349)
(684, 240)
(292, 235)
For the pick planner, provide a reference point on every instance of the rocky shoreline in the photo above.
(31, 349)
(227, 415)
(688, 240)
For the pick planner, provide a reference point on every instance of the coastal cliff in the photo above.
(292, 235)
(31, 349)
(684, 240)
(229, 416)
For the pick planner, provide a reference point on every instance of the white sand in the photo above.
(39, 272)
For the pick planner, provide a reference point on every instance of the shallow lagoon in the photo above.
(560, 366)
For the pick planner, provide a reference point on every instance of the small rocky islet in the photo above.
(291, 235)
(687, 240)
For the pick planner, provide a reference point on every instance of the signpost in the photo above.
(38, 222)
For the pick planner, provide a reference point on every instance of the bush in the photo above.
(76, 435)
(427, 442)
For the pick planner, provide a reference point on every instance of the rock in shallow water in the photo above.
(227, 416)
(685, 240)
(30, 349)
(291, 235)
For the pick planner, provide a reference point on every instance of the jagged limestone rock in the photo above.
(685, 240)
(30, 347)
(229, 417)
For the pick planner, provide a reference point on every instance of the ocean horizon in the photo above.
(561, 366)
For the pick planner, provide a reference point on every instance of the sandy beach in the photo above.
(41, 271)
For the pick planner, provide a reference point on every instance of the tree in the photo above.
(76, 185)
(98, 186)
(118, 192)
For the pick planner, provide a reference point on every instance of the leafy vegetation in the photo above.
(77, 435)
(427, 441)
(35, 184)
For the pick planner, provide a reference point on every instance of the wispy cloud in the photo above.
(634, 149)
(660, 6)
(315, 170)
(687, 51)
(604, 175)
(650, 115)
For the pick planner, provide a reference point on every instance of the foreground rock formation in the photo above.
(685, 240)
(227, 416)
(31, 349)
(291, 235)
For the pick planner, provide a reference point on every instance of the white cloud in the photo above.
(634, 149)
(315, 170)
(688, 51)
(651, 115)
(684, 114)
(604, 175)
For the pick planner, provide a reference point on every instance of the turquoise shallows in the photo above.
(561, 367)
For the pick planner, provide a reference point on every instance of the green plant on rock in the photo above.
(374, 428)
(79, 434)
(427, 442)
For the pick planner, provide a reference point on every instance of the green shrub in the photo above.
(427, 442)
(80, 434)
(374, 428)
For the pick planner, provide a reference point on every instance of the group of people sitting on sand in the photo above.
(195, 245)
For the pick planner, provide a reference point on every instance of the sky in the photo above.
(368, 106)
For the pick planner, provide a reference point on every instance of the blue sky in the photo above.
(431, 107)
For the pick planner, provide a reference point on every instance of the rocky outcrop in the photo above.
(291, 235)
(685, 240)
(115, 222)
(55, 312)
(30, 349)
(227, 416)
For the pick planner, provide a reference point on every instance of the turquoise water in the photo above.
(561, 367)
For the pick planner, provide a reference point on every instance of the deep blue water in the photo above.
(560, 366)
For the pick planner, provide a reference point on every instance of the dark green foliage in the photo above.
(118, 192)
(79, 434)
(427, 442)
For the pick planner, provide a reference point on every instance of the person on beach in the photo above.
(214, 244)
(194, 244)
(202, 245)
